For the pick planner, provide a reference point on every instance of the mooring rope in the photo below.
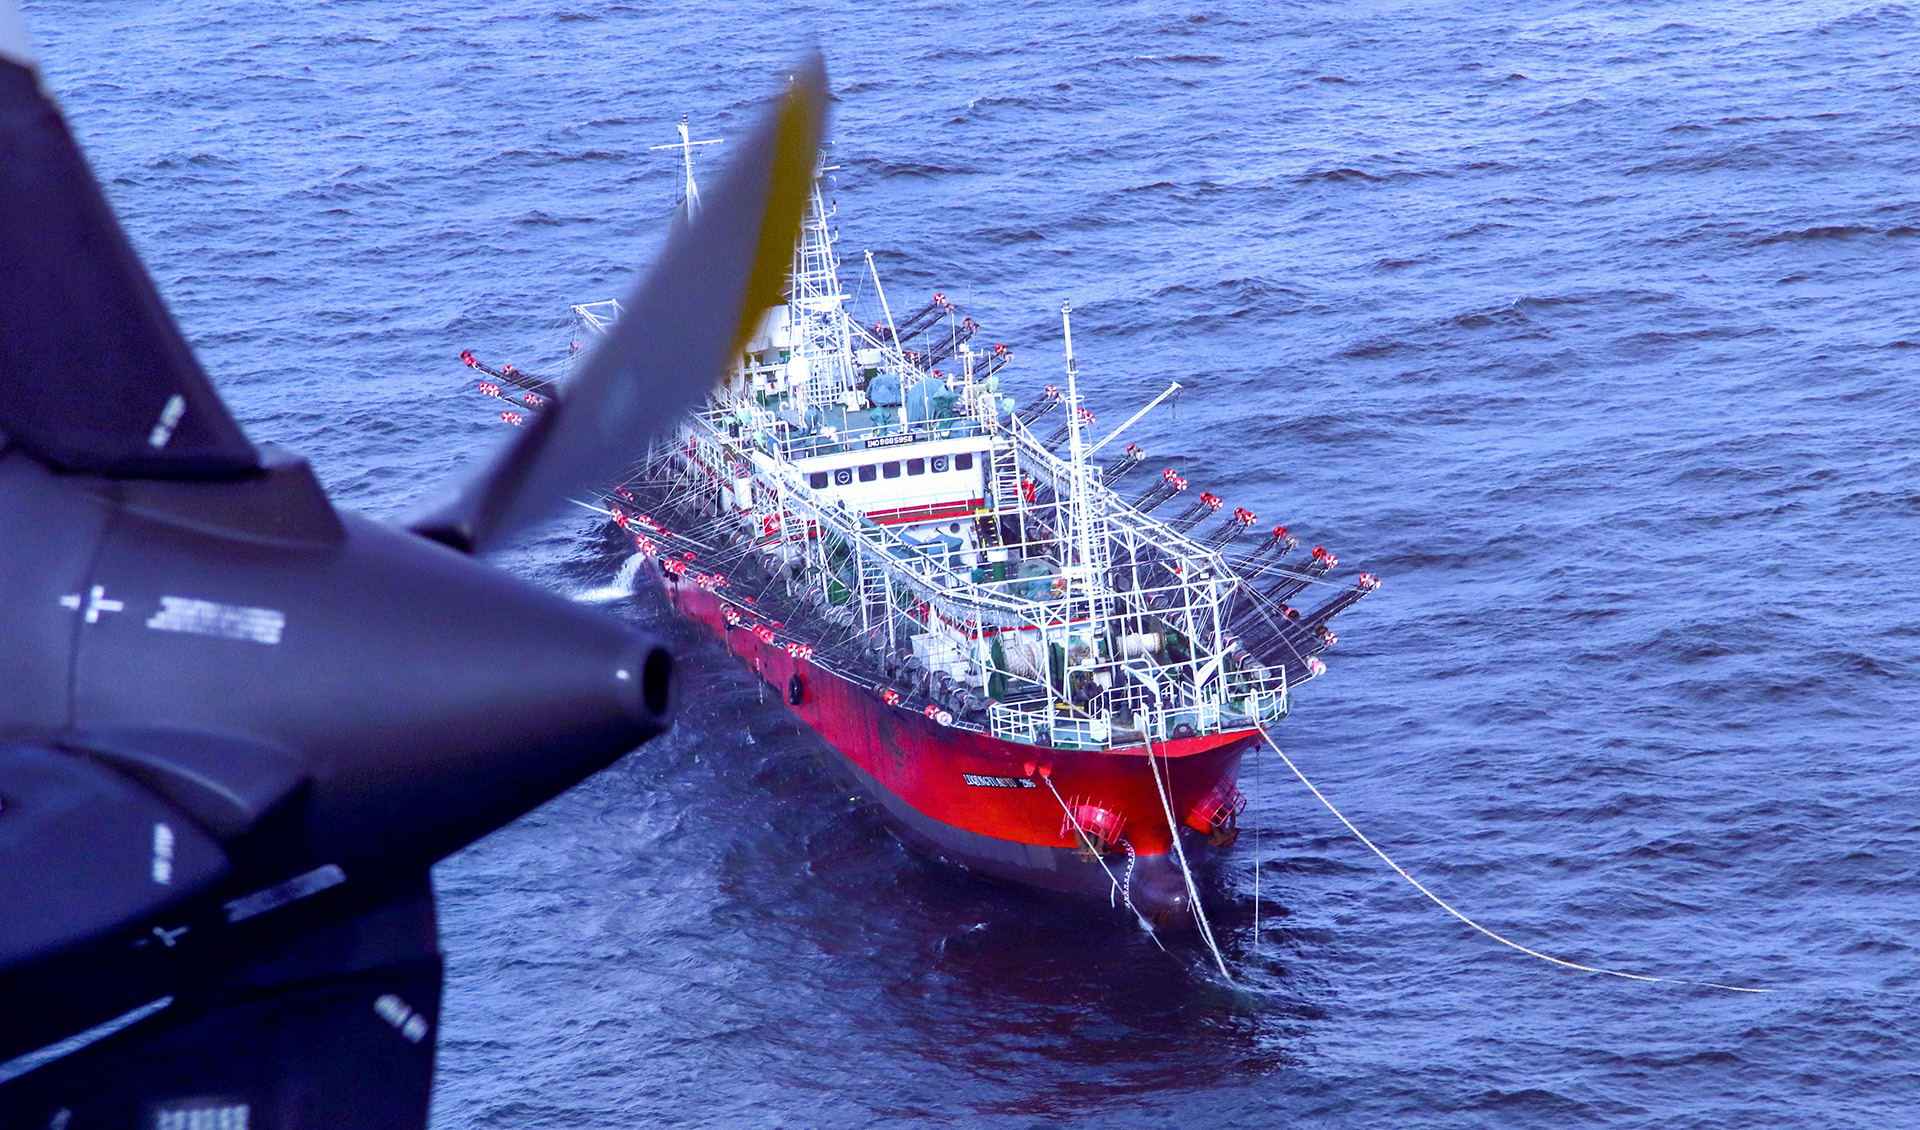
(1180, 853)
(1443, 904)
(1256, 851)
(1075, 822)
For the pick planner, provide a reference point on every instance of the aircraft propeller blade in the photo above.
(693, 311)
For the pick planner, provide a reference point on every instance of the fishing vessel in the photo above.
(1041, 658)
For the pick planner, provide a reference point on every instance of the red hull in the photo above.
(1015, 827)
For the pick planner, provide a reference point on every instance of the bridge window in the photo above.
(891, 468)
(817, 480)
(916, 466)
(868, 473)
(963, 461)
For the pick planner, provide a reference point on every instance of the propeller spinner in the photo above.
(239, 726)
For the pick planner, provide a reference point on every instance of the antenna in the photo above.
(686, 155)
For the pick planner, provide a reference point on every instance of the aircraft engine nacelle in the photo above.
(240, 704)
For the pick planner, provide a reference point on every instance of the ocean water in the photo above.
(1591, 329)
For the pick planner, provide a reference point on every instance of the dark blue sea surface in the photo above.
(1594, 329)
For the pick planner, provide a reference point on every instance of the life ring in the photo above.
(796, 690)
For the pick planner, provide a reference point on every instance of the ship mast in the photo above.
(1086, 570)
(691, 196)
(821, 366)
(1077, 457)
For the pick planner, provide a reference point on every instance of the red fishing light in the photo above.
(466, 356)
(1279, 532)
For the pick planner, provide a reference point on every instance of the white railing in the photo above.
(1145, 717)
(1048, 728)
